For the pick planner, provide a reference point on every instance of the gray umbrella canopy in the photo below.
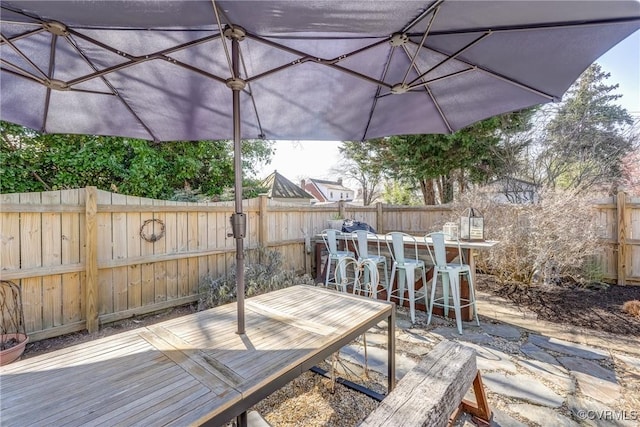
(321, 70)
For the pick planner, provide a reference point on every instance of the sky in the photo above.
(297, 160)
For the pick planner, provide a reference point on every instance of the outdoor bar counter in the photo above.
(451, 246)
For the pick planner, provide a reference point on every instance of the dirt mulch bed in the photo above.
(599, 308)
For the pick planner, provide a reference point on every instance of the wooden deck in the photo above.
(191, 370)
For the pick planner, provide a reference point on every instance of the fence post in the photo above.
(621, 201)
(263, 232)
(91, 259)
(379, 218)
(341, 209)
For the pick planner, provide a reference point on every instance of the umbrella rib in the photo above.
(549, 26)
(224, 44)
(433, 98)
(52, 65)
(250, 93)
(374, 104)
(22, 73)
(305, 57)
(423, 15)
(437, 79)
(110, 86)
(22, 55)
(23, 35)
(134, 60)
(450, 57)
(437, 105)
(422, 41)
(501, 77)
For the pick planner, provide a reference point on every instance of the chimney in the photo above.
(340, 181)
(302, 183)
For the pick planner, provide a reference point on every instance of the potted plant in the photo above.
(336, 221)
(13, 335)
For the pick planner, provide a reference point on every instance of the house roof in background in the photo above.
(280, 187)
(334, 185)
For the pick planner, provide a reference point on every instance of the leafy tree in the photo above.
(37, 162)
(394, 193)
(439, 163)
(588, 136)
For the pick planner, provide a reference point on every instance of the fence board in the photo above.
(51, 257)
(171, 245)
(106, 237)
(147, 287)
(134, 275)
(70, 254)
(119, 251)
(31, 256)
(183, 264)
(9, 242)
(160, 248)
(9, 235)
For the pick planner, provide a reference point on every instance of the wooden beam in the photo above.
(622, 235)
(263, 232)
(429, 393)
(91, 259)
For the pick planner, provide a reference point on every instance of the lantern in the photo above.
(471, 225)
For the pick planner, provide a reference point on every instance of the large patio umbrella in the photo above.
(317, 70)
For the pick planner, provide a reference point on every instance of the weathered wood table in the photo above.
(191, 370)
(452, 253)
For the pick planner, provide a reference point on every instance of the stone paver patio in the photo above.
(535, 373)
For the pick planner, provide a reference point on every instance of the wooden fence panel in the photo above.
(44, 248)
(633, 239)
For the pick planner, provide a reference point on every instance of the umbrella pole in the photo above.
(238, 220)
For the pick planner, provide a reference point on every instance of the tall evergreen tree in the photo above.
(586, 139)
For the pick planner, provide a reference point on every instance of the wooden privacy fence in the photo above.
(84, 257)
(618, 219)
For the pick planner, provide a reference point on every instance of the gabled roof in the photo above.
(280, 187)
(334, 185)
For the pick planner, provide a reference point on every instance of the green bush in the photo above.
(260, 277)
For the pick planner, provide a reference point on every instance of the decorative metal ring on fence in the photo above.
(153, 237)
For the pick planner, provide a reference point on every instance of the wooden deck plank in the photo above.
(133, 406)
(96, 396)
(174, 404)
(49, 385)
(189, 370)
